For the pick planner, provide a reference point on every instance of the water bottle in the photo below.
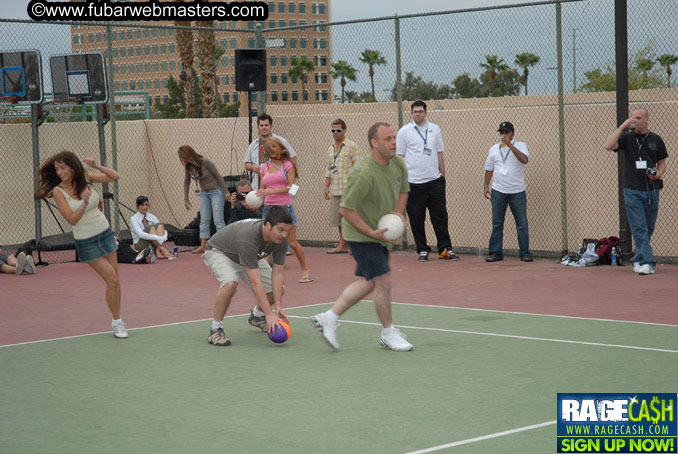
(176, 252)
(580, 249)
(613, 257)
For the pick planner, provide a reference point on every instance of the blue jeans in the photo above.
(641, 209)
(518, 204)
(211, 204)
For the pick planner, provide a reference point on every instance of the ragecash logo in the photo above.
(634, 422)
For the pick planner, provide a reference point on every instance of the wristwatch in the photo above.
(486, 186)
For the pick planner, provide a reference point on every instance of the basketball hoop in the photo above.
(6, 105)
(61, 109)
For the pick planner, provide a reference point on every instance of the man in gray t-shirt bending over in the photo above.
(238, 251)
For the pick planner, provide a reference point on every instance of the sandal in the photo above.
(305, 279)
(337, 251)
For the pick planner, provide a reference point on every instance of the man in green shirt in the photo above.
(376, 186)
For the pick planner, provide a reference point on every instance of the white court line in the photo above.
(403, 304)
(511, 336)
(538, 315)
(484, 437)
(141, 327)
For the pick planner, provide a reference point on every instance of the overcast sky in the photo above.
(341, 9)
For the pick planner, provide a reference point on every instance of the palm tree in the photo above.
(344, 70)
(494, 65)
(218, 53)
(525, 60)
(184, 40)
(645, 65)
(372, 57)
(208, 70)
(300, 69)
(667, 60)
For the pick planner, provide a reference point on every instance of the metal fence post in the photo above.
(561, 131)
(35, 124)
(259, 39)
(399, 82)
(111, 113)
(622, 71)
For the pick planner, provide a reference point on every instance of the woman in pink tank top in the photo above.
(277, 176)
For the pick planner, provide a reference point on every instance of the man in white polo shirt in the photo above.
(505, 166)
(420, 143)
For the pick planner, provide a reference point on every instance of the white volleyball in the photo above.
(394, 224)
(253, 200)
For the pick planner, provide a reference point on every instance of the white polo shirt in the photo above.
(422, 165)
(509, 173)
(252, 155)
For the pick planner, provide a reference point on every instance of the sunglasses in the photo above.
(505, 131)
(336, 130)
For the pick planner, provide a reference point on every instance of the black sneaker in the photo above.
(423, 256)
(218, 337)
(494, 257)
(257, 322)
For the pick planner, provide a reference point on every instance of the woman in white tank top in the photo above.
(63, 177)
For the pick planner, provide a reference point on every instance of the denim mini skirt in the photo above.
(97, 246)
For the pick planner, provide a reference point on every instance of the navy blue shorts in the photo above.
(97, 246)
(372, 259)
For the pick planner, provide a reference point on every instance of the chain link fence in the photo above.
(474, 68)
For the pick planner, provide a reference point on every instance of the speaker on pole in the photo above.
(250, 69)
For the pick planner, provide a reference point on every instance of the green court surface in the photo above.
(472, 374)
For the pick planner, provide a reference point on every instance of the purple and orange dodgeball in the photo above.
(281, 333)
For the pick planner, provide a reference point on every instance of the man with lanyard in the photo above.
(644, 165)
(505, 166)
(256, 155)
(341, 157)
(420, 143)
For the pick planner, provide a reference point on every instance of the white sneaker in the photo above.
(30, 265)
(636, 267)
(20, 263)
(119, 330)
(644, 270)
(652, 269)
(396, 341)
(327, 330)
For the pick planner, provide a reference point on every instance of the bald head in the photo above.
(641, 120)
(642, 112)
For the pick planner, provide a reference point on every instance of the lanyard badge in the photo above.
(427, 149)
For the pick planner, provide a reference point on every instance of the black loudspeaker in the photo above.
(250, 69)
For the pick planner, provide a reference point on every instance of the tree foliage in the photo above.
(643, 74)
(175, 106)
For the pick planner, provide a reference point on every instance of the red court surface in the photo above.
(68, 299)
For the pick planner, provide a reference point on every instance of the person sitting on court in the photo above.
(239, 208)
(237, 252)
(147, 230)
(16, 264)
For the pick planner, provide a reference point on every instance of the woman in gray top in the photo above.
(209, 185)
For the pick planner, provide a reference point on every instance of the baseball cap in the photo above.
(506, 126)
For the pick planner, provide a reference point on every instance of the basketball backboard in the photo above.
(21, 75)
(81, 76)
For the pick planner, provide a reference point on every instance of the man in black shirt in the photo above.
(644, 165)
(239, 208)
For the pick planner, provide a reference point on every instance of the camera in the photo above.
(239, 196)
(651, 171)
